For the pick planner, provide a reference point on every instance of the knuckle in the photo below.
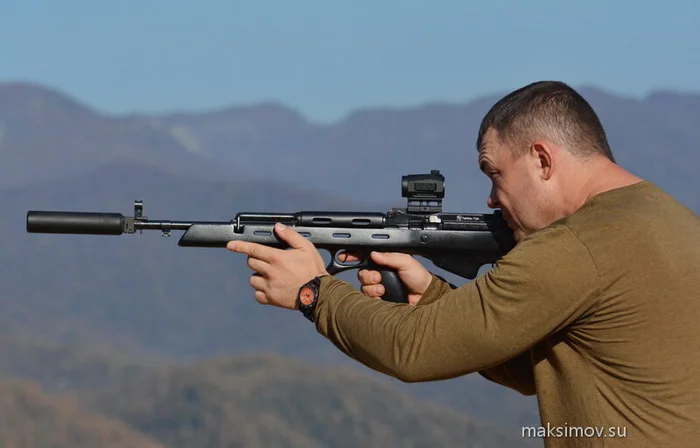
(372, 291)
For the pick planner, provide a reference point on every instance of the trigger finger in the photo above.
(349, 255)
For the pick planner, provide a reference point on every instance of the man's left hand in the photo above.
(279, 273)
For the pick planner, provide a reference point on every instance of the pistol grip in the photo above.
(394, 289)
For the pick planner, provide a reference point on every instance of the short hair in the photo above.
(550, 110)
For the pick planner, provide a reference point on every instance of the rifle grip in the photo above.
(394, 289)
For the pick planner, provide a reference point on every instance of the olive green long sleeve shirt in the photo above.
(598, 314)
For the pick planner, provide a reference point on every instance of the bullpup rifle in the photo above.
(460, 243)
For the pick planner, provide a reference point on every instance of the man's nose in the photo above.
(492, 201)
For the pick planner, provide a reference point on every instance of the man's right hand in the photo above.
(413, 274)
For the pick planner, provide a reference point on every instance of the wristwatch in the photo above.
(307, 298)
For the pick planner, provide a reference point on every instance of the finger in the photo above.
(254, 250)
(262, 298)
(258, 283)
(258, 266)
(367, 277)
(396, 260)
(347, 255)
(292, 237)
(373, 290)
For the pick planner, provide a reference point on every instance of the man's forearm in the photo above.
(370, 330)
(411, 343)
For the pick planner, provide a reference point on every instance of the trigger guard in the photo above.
(336, 266)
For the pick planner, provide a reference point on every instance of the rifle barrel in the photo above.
(90, 223)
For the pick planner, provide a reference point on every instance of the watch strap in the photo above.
(308, 310)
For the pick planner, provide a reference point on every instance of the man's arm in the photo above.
(516, 373)
(437, 288)
(545, 283)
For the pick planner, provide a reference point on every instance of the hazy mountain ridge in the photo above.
(144, 294)
(46, 136)
(272, 401)
(657, 137)
(30, 418)
(108, 399)
(60, 369)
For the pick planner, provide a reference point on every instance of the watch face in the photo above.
(307, 295)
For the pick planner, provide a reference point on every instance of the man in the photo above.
(595, 310)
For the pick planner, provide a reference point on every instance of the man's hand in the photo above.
(279, 273)
(413, 274)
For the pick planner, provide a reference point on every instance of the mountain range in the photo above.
(47, 135)
(142, 297)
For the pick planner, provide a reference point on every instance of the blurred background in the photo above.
(206, 109)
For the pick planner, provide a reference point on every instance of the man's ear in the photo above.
(544, 154)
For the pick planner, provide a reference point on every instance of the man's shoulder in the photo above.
(559, 241)
(636, 217)
(601, 218)
(622, 208)
(619, 218)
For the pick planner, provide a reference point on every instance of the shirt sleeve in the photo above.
(516, 373)
(437, 288)
(542, 285)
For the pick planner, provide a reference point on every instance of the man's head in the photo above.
(540, 146)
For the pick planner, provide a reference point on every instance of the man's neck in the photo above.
(599, 177)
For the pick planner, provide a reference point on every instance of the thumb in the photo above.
(291, 236)
(396, 260)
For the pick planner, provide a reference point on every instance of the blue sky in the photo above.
(327, 58)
